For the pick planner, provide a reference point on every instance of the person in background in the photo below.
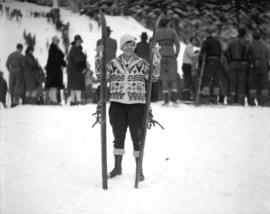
(76, 67)
(3, 89)
(143, 47)
(237, 56)
(111, 49)
(111, 45)
(31, 74)
(168, 40)
(189, 59)
(14, 65)
(127, 76)
(258, 56)
(89, 82)
(143, 50)
(211, 51)
(54, 73)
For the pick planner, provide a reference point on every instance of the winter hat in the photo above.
(126, 38)
(77, 37)
(108, 29)
(144, 36)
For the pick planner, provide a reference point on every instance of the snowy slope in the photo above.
(12, 33)
(208, 160)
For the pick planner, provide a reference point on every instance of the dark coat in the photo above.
(3, 89)
(111, 48)
(259, 56)
(75, 68)
(143, 50)
(55, 62)
(211, 47)
(31, 70)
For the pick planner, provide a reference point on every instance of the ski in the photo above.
(147, 107)
(103, 97)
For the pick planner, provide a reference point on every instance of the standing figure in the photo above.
(14, 65)
(143, 47)
(89, 82)
(127, 75)
(189, 62)
(211, 51)
(111, 49)
(143, 50)
(258, 74)
(31, 72)
(3, 89)
(237, 56)
(170, 47)
(75, 71)
(54, 73)
(111, 45)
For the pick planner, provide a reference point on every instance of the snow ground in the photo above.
(207, 160)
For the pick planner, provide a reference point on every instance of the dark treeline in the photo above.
(189, 17)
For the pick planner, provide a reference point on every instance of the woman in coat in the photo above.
(54, 74)
(31, 70)
(75, 70)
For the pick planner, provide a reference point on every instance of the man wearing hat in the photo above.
(75, 69)
(111, 45)
(111, 48)
(127, 76)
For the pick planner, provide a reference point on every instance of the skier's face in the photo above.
(128, 48)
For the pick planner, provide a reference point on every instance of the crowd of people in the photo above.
(212, 73)
(238, 71)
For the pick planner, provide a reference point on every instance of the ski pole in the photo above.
(200, 81)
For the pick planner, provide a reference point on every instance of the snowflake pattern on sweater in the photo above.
(127, 79)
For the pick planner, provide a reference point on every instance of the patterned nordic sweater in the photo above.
(127, 79)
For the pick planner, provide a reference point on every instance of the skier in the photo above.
(14, 65)
(127, 75)
(168, 39)
(258, 74)
(237, 54)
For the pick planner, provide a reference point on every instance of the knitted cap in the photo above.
(126, 38)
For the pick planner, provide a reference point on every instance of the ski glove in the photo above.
(150, 121)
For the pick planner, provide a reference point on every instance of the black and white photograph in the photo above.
(135, 106)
